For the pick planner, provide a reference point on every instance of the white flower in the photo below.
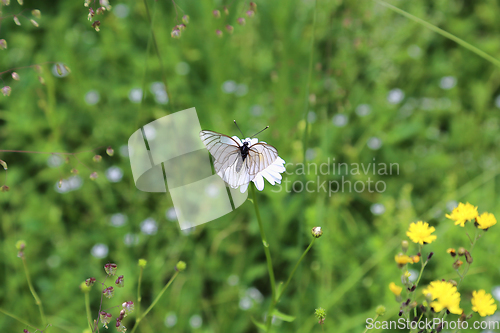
(272, 173)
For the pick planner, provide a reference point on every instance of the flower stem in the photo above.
(139, 318)
(462, 276)
(139, 298)
(87, 307)
(268, 259)
(33, 291)
(294, 269)
(374, 319)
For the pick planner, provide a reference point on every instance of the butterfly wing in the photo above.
(228, 162)
(260, 156)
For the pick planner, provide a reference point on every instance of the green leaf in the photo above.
(259, 325)
(278, 290)
(283, 316)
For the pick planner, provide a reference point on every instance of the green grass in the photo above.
(444, 140)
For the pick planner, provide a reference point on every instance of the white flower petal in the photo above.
(243, 188)
(237, 140)
(259, 182)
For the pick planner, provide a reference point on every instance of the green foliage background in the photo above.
(445, 142)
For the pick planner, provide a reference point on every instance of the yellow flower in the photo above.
(444, 296)
(420, 232)
(486, 220)
(396, 290)
(415, 259)
(463, 213)
(407, 274)
(483, 303)
(403, 259)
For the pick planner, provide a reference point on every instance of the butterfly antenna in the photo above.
(260, 131)
(239, 128)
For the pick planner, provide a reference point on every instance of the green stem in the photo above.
(268, 259)
(33, 292)
(462, 276)
(87, 307)
(22, 321)
(374, 319)
(295, 268)
(139, 318)
(139, 298)
(443, 33)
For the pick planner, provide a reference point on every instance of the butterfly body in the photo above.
(236, 162)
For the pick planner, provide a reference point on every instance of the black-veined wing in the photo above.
(260, 156)
(228, 162)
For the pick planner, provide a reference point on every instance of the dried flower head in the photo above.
(110, 268)
(108, 292)
(90, 282)
(128, 307)
(6, 90)
(120, 281)
(96, 25)
(105, 318)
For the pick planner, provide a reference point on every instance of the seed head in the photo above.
(176, 33)
(96, 25)
(216, 13)
(185, 19)
(250, 13)
(97, 158)
(241, 21)
(253, 6)
(380, 310)
(41, 80)
(4, 188)
(3, 164)
(316, 232)
(74, 171)
(87, 3)
(91, 14)
(108, 292)
(93, 176)
(229, 28)
(218, 33)
(320, 314)
(142, 263)
(90, 282)
(100, 10)
(36, 13)
(457, 264)
(6, 91)
(404, 246)
(105, 318)
(3, 44)
(181, 265)
(110, 151)
(128, 307)
(110, 268)
(120, 282)
(105, 3)
(35, 23)
(15, 76)
(226, 11)
(16, 20)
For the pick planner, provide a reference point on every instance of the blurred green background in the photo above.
(381, 87)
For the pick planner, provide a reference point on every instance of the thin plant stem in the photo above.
(374, 319)
(22, 321)
(87, 308)
(139, 298)
(268, 258)
(294, 269)
(442, 32)
(466, 270)
(139, 318)
(38, 301)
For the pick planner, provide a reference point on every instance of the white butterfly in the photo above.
(238, 162)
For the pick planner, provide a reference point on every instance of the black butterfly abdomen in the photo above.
(244, 150)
